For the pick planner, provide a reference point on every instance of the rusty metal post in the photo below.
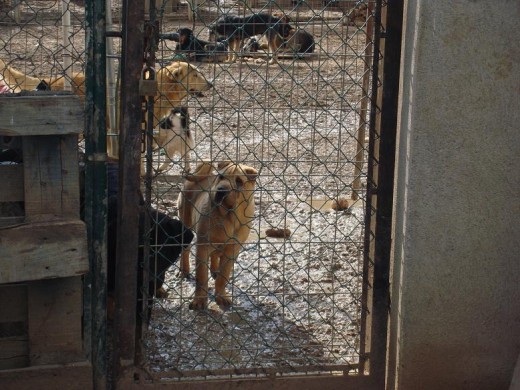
(380, 182)
(393, 26)
(129, 187)
(95, 334)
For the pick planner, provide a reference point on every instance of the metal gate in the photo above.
(309, 288)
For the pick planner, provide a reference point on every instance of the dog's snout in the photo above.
(222, 189)
(221, 192)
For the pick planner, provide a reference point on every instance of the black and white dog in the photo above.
(174, 136)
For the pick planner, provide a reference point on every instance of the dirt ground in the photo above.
(296, 301)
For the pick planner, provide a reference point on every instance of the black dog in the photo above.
(199, 49)
(167, 238)
(237, 28)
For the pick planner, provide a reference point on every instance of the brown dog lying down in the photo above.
(219, 207)
(175, 81)
(19, 81)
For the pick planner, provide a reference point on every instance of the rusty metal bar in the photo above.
(129, 187)
(286, 382)
(380, 181)
(150, 47)
(371, 204)
(337, 369)
(392, 23)
(96, 192)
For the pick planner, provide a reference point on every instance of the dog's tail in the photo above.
(16, 80)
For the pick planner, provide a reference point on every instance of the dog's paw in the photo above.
(161, 293)
(223, 301)
(199, 304)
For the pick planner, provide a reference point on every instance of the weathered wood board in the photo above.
(74, 376)
(55, 315)
(41, 113)
(14, 344)
(11, 177)
(43, 251)
(51, 178)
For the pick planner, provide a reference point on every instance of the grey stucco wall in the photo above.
(455, 318)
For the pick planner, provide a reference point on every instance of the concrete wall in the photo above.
(455, 321)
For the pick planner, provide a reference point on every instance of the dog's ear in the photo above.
(183, 110)
(175, 71)
(251, 173)
(174, 74)
(223, 164)
(203, 170)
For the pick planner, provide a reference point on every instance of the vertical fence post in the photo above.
(96, 190)
(380, 181)
(129, 187)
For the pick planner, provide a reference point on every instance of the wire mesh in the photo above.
(297, 301)
(43, 40)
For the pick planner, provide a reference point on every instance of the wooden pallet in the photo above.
(43, 247)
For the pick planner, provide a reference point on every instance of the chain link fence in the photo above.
(297, 284)
(302, 123)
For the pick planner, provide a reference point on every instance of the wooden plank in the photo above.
(42, 177)
(11, 221)
(13, 303)
(44, 114)
(43, 251)
(55, 310)
(308, 382)
(11, 177)
(32, 185)
(76, 376)
(14, 352)
(69, 176)
(14, 346)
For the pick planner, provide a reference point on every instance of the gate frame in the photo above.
(380, 181)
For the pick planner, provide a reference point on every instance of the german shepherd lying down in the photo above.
(198, 49)
(237, 28)
(298, 41)
(219, 206)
